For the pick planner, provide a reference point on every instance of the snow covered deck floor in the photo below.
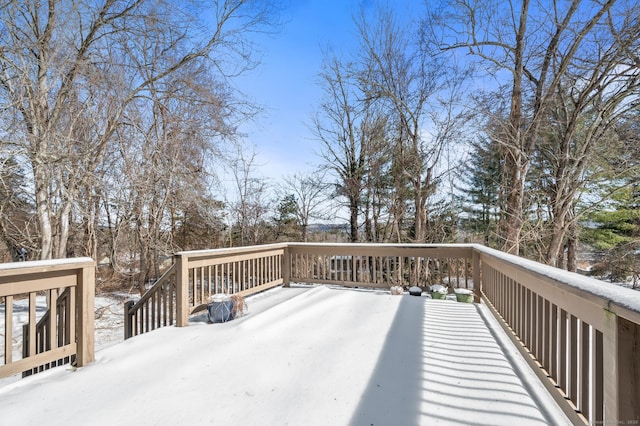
(301, 356)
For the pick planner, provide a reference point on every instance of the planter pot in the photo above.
(415, 291)
(396, 290)
(464, 297)
(220, 311)
(438, 295)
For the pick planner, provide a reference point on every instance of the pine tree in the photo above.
(481, 189)
(16, 213)
(616, 235)
(286, 222)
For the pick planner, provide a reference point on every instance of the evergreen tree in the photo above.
(481, 189)
(616, 235)
(287, 226)
(16, 213)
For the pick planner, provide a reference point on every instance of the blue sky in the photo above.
(285, 83)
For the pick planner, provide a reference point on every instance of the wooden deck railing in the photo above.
(242, 271)
(195, 276)
(155, 309)
(62, 314)
(381, 265)
(66, 328)
(580, 335)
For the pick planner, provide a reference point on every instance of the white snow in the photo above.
(439, 289)
(606, 294)
(47, 264)
(300, 356)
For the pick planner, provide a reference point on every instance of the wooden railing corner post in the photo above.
(286, 267)
(182, 290)
(85, 302)
(477, 280)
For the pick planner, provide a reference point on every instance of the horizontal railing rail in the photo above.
(580, 335)
(64, 333)
(381, 265)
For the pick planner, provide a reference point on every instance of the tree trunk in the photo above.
(572, 244)
(556, 244)
(42, 210)
(63, 231)
(516, 164)
(558, 232)
(368, 232)
(419, 217)
(143, 252)
(353, 219)
(515, 170)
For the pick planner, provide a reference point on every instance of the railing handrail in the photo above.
(622, 301)
(195, 280)
(37, 266)
(379, 265)
(154, 288)
(224, 251)
(154, 309)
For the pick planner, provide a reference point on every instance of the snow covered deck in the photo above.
(301, 356)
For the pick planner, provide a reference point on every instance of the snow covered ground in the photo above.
(300, 356)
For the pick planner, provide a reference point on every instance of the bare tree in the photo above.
(69, 71)
(389, 115)
(249, 205)
(405, 75)
(590, 101)
(311, 193)
(159, 172)
(341, 125)
(536, 45)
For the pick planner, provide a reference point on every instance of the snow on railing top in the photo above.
(604, 294)
(45, 263)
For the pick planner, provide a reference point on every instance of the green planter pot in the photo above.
(464, 298)
(438, 295)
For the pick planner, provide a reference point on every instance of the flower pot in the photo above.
(220, 311)
(464, 297)
(438, 295)
(439, 291)
(396, 290)
(415, 291)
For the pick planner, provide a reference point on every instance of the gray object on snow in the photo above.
(415, 291)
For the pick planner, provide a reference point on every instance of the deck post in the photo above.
(182, 291)
(477, 283)
(85, 301)
(286, 266)
(628, 371)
